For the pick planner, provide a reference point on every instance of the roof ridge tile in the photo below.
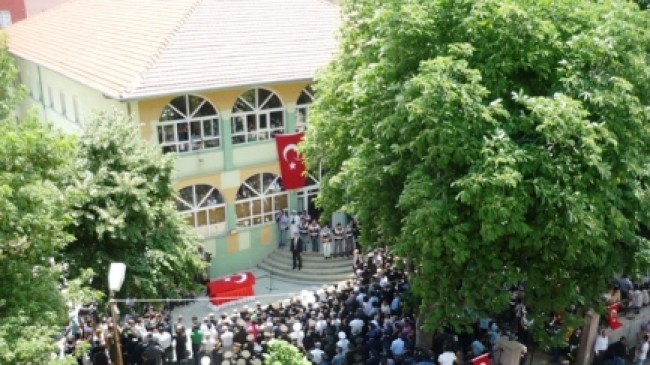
(163, 45)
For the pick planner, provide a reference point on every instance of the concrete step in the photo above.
(324, 266)
(311, 261)
(309, 256)
(306, 275)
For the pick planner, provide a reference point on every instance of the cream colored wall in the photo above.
(40, 81)
(212, 162)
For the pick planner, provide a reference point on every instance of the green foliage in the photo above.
(124, 213)
(491, 142)
(10, 92)
(284, 353)
(34, 163)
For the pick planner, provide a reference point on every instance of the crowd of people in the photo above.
(359, 321)
(332, 242)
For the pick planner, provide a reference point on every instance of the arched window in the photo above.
(258, 115)
(188, 123)
(302, 108)
(258, 198)
(204, 208)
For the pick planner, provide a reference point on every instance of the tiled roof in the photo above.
(130, 49)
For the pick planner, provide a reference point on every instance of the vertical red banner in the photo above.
(292, 166)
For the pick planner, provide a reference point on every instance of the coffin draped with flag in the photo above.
(292, 165)
(232, 287)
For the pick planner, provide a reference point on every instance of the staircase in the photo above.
(315, 269)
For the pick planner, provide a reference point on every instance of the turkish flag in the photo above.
(230, 288)
(613, 309)
(292, 166)
(481, 360)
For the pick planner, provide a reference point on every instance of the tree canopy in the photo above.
(124, 213)
(34, 164)
(491, 143)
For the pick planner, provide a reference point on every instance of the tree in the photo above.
(124, 213)
(283, 353)
(11, 93)
(491, 143)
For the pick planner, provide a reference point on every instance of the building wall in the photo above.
(226, 168)
(63, 102)
(15, 7)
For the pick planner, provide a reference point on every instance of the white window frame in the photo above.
(258, 111)
(63, 101)
(302, 109)
(50, 96)
(271, 199)
(168, 130)
(75, 110)
(202, 206)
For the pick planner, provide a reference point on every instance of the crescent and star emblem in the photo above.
(242, 278)
(285, 152)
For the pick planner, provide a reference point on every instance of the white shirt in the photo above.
(643, 351)
(317, 355)
(601, 343)
(447, 358)
(356, 325)
(226, 338)
(343, 344)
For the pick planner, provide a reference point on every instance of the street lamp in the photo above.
(116, 274)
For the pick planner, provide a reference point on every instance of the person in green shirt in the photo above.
(197, 338)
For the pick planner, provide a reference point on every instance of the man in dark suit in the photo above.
(296, 250)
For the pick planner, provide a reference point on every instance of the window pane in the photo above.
(274, 102)
(201, 194)
(263, 95)
(280, 202)
(263, 136)
(211, 143)
(242, 210)
(167, 149)
(169, 133)
(202, 218)
(251, 123)
(249, 99)
(180, 103)
(238, 139)
(263, 124)
(161, 135)
(187, 195)
(305, 96)
(277, 120)
(237, 124)
(217, 215)
(257, 207)
(183, 133)
(170, 114)
(189, 218)
(194, 103)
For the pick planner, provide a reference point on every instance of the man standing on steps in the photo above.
(296, 251)
(282, 220)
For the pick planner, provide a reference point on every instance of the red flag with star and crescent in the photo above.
(481, 360)
(292, 166)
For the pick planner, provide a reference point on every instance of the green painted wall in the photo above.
(224, 262)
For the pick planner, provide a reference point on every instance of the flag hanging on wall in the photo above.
(292, 166)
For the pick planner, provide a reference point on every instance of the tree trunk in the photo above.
(423, 338)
